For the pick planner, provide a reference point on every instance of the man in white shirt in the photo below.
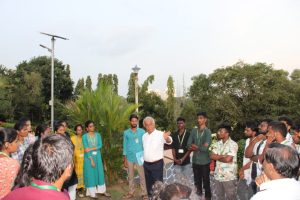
(153, 143)
(281, 166)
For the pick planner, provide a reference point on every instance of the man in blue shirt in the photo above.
(133, 145)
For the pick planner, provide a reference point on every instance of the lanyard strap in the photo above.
(200, 133)
(44, 187)
(180, 142)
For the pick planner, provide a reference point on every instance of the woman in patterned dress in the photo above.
(9, 166)
(79, 157)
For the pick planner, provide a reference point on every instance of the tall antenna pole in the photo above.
(51, 102)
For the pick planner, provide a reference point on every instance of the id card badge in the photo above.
(94, 153)
(136, 140)
(81, 155)
(180, 151)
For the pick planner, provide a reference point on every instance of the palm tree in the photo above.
(110, 113)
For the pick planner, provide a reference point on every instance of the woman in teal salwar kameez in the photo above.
(93, 168)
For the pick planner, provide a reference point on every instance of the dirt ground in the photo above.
(116, 191)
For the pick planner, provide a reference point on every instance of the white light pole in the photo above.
(136, 88)
(51, 102)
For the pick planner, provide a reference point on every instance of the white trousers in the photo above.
(91, 191)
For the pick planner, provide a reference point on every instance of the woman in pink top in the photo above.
(9, 166)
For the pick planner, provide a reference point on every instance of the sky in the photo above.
(181, 38)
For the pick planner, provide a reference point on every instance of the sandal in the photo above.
(145, 197)
(128, 196)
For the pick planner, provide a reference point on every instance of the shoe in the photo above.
(199, 192)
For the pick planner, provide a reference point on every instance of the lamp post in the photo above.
(51, 102)
(135, 72)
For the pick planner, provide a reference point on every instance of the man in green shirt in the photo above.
(199, 141)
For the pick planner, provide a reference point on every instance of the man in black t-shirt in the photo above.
(180, 150)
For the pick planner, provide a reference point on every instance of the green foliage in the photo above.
(240, 154)
(244, 92)
(111, 79)
(79, 87)
(6, 108)
(189, 113)
(88, 83)
(31, 87)
(170, 103)
(110, 113)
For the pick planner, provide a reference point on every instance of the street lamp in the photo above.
(135, 72)
(51, 102)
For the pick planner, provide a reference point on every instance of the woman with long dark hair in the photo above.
(9, 166)
(78, 157)
(93, 167)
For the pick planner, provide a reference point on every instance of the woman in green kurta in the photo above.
(93, 167)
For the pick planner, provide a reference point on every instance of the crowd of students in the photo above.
(57, 166)
(27, 161)
(272, 146)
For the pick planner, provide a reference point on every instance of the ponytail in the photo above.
(24, 178)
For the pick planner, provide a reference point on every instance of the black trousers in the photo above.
(201, 174)
(153, 173)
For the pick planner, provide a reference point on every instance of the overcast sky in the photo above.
(163, 37)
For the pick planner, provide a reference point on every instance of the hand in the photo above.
(93, 163)
(194, 147)
(88, 149)
(261, 179)
(125, 162)
(270, 138)
(241, 174)
(177, 161)
(166, 135)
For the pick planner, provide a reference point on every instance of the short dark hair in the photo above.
(285, 118)
(267, 120)
(45, 160)
(88, 122)
(173, 190)
(284, 159)
(7, 135)
(296, 126)
(180, 119)
(226, 126)
(279, 127)
(252, 125)
(133, 116)
(21, 123)
(76, 126)
(203, 114)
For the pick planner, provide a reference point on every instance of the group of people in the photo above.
(56, 166)
(37, 163)
(271, 159)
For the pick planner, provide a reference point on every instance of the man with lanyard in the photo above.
(199, 141)
(180, 151)
(132, 144)
(225, 155)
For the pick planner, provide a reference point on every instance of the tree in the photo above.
(6, 107)
(63, 84)
(88, 83)
(170, 103)
(27, 97)
(243, 92)
(111, 79)
(79, 87)
(110, 113)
